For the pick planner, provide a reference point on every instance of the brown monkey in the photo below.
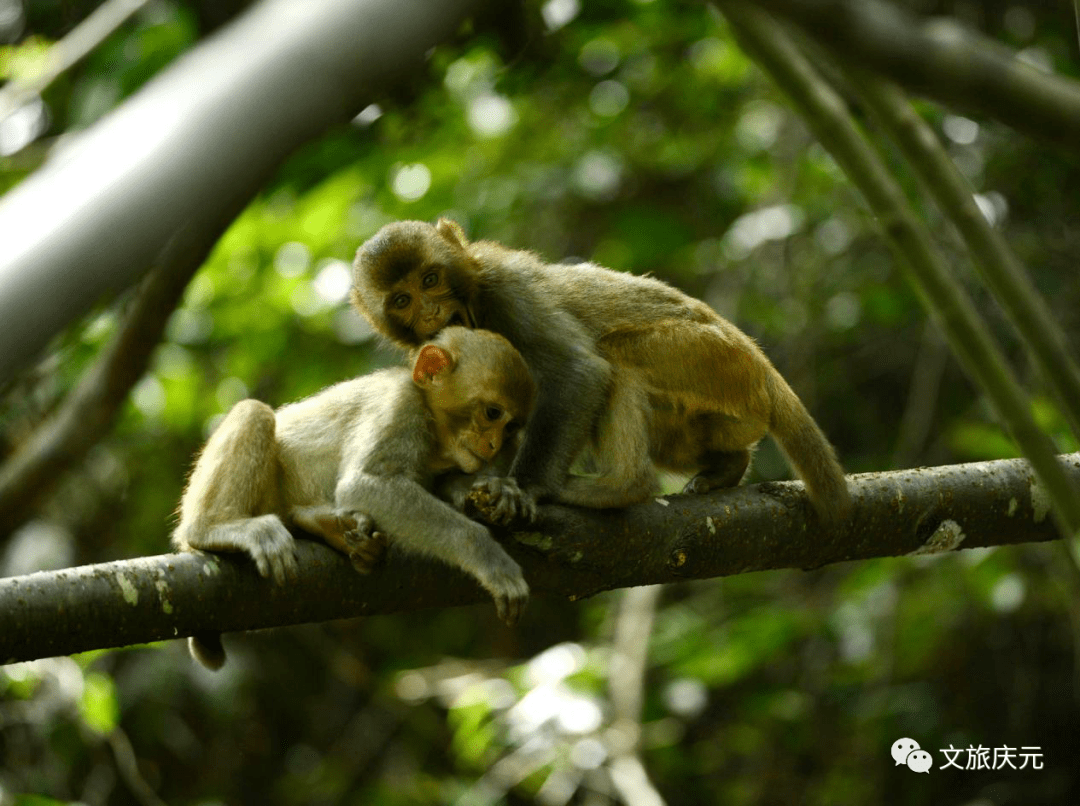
(361, 453)
(627, 366)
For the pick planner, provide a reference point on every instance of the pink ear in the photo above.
(430, 362)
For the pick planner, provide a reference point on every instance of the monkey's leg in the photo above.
(232, 494)
(722, 469)
(351, 533)
(623, 452)
(266, 540)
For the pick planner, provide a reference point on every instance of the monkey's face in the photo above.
(475, 434)
(479, 392)
(412, 279)
(492, 426)
(425, 301)
(474, 416)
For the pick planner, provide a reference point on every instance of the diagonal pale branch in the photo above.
(993, 258)
(571, 553)
(942, 60)
(70, 50)
(827, 116)
(202, 137)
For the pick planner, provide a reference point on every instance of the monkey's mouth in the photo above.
(471, 462)
(457, 319)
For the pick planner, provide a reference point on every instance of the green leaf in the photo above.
(98, 706)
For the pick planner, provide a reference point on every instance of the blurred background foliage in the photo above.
(636, 134)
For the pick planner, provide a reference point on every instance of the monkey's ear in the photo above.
(452, 231)
(431, 360)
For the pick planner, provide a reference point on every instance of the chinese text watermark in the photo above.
(908, 752)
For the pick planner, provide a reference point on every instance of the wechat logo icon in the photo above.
(907, 751)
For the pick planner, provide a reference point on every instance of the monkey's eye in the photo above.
(401, 301)
(430, 280)
(493, 413)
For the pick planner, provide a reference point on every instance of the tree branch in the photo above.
(572, 553)
(90, 409)
(991, 255)
(944, 61)
(828, 118)
(627, 666)
(70, 50)
(200, 138)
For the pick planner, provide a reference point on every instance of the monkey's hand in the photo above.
(499, 500)
(501, 577)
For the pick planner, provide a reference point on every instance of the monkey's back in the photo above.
(600, 298)
(344, 420)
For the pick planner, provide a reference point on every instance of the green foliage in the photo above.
(26, 61)
(98, 706)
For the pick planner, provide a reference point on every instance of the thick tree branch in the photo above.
(573, 553)
(942, 60)
(199, 139)
(827, 116)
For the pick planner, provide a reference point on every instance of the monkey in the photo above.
(354, 465)
(631, 372)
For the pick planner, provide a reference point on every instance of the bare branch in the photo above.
(626, 686)
(828, 117)
(572, 553)
(90, 409)
(944, 61)
(992, 257)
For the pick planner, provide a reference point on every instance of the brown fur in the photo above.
(628, 366)
(356, 461)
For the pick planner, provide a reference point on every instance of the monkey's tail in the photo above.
(810, 453)
(206, 648)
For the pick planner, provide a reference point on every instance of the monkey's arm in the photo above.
(422, 524)
(572, 384)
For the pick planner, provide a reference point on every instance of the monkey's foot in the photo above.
(702, 483)
(351, 533)
(270, 546)
(723, 469)
(499, 500)
(365, 546)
